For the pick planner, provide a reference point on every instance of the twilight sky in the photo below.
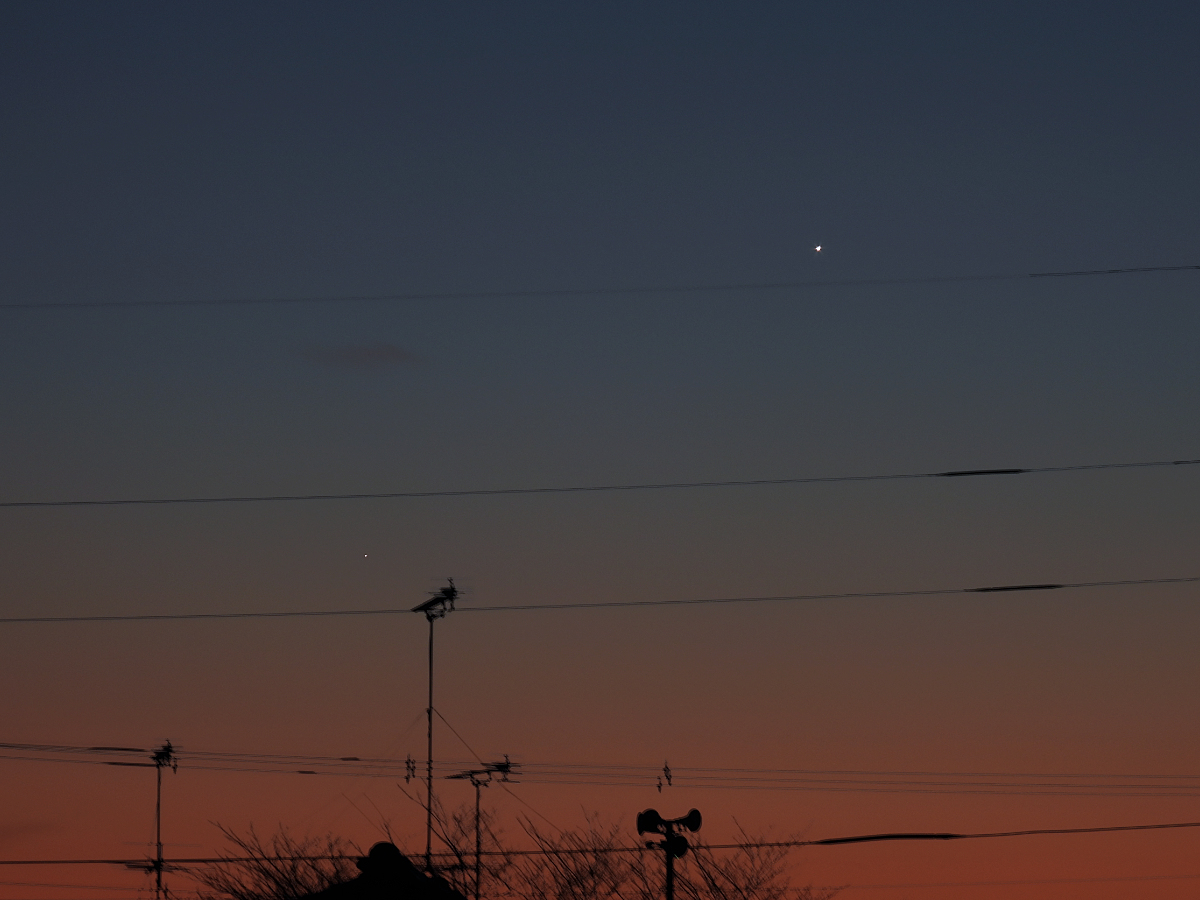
(213, 152)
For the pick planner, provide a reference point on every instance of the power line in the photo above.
(595, 488)
(853, 789)
(552, 767)
(969, 836)
(924, 773)
(1014, 883)
(547, 765)
(747, 845)
(592, 292)
(811, 786)
(860, 595)
(1115, 879)
(90, 887)
(601, 775)
(606, 604)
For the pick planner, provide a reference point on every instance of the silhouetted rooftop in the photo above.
(387, 874)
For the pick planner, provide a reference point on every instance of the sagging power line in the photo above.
(565, 851)
(600, 488)
(676, 288)
(613, 604)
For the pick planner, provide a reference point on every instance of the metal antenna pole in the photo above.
(435, 607)
(429, 759)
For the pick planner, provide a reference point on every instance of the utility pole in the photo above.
(481, 778)
(164, 756)
(434, 608)
(674, 845)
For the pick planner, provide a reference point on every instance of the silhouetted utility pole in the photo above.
(164, 756)
(481, 778)
(435, 607)
(674, 845)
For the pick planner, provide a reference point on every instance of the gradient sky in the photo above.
(204, 152)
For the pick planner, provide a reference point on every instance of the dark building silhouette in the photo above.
(387, 874)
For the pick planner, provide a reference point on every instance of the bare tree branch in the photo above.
(281, 868)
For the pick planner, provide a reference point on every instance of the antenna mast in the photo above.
(434, 608)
